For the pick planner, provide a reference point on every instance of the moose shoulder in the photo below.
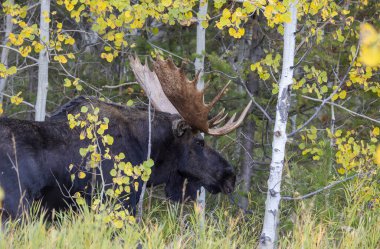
(35, 156)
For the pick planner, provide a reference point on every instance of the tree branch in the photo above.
(16, 50)
(343, 108)
(24, 102)
(120, 85)
(289, 198)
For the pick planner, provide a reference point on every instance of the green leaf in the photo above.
(79, 87)
(83, 109)
(155, 31)
(301, 146)
(324, 89)
(148, 163)
(83, 151)
(130, 102)
(113, 172)
(145, 177)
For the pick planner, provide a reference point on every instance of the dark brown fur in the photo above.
(42, 152)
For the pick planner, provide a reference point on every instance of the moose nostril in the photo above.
(228, 189)
(229, 184)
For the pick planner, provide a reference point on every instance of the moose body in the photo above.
(35, 156)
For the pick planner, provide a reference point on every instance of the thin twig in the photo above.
(24, 102)
(166, 51)
(343, 108)
(120, 85)
(289, 198)
(13, 49)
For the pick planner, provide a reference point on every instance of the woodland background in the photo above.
(330, 183)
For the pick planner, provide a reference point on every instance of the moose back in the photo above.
(35, 157)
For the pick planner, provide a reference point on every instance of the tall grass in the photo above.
(163, 228)
(168, 225)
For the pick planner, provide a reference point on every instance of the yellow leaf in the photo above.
(166, 3)
(60, 58)
(338, 133)
(82, 135)
(60, 37)
(136, 185)
(370, 45)
(232, 31)
(377, 155)
(108, 139)
(81, 175)
(24, 51)
(95, 157)
(226, 13)
(69, 6)
(67, 83)
(204, 24)
(16, 99)
(70, 41)
(335, 97)
(376, 131)
(118, 223)
(37, 46)
(2, 194)
(71, 56)
(341, 171)
(343, 94)
(12, 70)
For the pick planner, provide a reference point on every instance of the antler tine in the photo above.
(218, 116)
(231, 120)
(218, 121)
(196, 78)
(183, 65)
(231, 124)
(217, 97)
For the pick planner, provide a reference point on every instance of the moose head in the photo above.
(169, 90)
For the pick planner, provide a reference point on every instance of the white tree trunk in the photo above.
(268, 236)
(201, 42)
(5, 51)
(199, 67)
(43, 62)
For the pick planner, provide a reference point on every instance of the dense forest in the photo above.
(306, 156)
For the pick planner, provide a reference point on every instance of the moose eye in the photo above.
(200, 142)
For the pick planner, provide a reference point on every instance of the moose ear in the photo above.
(179, 127)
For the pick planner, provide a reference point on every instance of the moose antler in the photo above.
(151, 85)
(189, 101)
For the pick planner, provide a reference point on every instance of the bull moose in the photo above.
(35, 156)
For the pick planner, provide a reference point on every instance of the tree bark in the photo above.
(199, 67)
(251, 49)
(268, 236)
(246, 167)
(43, 62)
(5, 51)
